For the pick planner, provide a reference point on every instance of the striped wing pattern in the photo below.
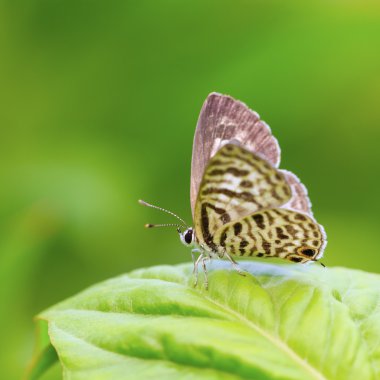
(236, 183)
(273, 232)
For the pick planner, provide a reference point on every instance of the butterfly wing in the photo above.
(273, 232)
(222, 120)
(235, 184)
(300, 200)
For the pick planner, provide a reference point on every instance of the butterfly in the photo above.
(242, 204)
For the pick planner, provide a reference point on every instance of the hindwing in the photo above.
(273, 232)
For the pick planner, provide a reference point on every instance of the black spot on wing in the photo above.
(275, 195)
(234, 171)
(244, 195)
(242, 246)
(290, 230)
(259, 220)
(266, 247)
(286, 190)
(243, 243)
(300, 217)
(312, 226)
(225, 218)
(237, 228)
(223, 238)
(245, 183)
(308, 252)
(280, 233)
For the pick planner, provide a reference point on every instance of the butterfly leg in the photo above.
(195, 250)
(195, 270)
(203, 260)
(235, 265)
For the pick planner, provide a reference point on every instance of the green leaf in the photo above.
(278, 322)
(43, 362)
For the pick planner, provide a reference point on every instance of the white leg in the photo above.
(195, 250)
(235, 265)
(195, 270)
(204, 259)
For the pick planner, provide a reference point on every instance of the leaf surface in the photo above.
(278, 322)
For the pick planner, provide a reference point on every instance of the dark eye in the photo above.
(189, 236)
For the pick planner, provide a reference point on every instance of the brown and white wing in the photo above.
(300, 200)
(276, 232)
(224, 119)
(236, 183)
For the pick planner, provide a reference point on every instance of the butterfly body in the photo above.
(243, 204)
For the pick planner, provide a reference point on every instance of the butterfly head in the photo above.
(186, 233)
(187, 237)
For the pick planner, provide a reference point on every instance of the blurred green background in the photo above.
(99, 101)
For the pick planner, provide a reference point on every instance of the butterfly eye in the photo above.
(306, 251)
(189, 236)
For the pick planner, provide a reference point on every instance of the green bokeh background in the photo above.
(99, 101)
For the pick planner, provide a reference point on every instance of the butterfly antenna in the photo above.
(184, 224)
(164, 225)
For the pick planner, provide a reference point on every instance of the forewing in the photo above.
(224, 119)
(300, 200)
(236, 183)
(274, 232)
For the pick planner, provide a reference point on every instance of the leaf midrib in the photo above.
(246, 322)
(277, 342)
